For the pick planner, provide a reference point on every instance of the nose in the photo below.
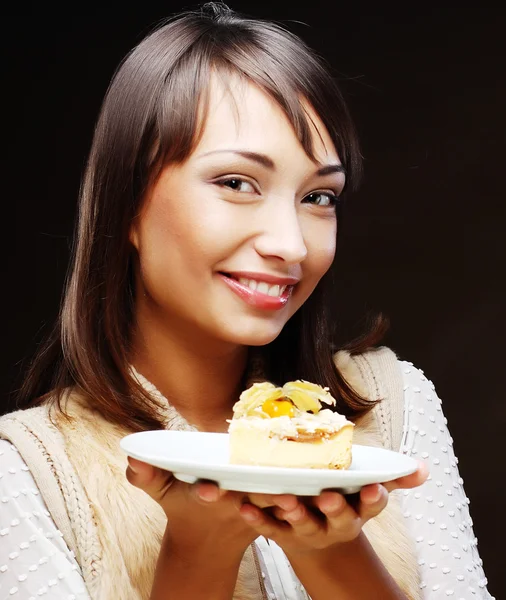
(281, 235)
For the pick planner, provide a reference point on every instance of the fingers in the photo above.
(296, 521)
(332, 504)
(344, 521)
(300, 526)
(155, 482)
(409, 481)
(304, 522)
(208, 491)
(283, 501)
(262, 523)
(373, 499)
(288, 521)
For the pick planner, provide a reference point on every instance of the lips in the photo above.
(266, 292)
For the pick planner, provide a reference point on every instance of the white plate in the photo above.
(191, 456)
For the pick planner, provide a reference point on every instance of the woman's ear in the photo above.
(133, 234)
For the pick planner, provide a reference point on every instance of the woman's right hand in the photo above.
(201, 517)
(206, 535)
(205, 538)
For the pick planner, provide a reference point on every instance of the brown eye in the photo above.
(322, 199)
(237, 184)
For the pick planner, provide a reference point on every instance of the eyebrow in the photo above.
(267, 162)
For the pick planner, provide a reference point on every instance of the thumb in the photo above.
(410, 481)
(152, 480)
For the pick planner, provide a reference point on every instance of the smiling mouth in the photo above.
(264, 295)
(261, 287)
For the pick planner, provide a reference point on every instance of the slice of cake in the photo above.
(287, 427)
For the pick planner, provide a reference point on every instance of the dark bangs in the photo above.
(262, 53)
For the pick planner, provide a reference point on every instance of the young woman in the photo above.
(207, 230)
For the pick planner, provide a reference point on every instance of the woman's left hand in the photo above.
(301, 526)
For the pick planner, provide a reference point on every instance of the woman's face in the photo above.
(234, 240)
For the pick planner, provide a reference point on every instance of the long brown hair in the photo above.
(151, 117)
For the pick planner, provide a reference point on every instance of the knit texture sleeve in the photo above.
(437, 513)
(35, 561)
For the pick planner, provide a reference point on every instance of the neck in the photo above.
(201, 379)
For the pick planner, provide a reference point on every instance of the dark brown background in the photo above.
(425, 238)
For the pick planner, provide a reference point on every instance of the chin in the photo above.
(256, 335)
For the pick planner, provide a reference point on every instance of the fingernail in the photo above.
(249, 516)
(294, 515)
(131, 466)
(209, 495)
(331, 504)
(287, 503)
(377, 494)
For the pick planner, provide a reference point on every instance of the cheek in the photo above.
(321, 250)
(164, 239)
(189, 233)
(171, 222)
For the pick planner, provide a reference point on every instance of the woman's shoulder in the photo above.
(374, 374)
(377, 370)
(391, 383)
(14, 472)
(37, 426)
(24, 419)
(47, 409)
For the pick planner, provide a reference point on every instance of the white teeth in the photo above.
(263, 287)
